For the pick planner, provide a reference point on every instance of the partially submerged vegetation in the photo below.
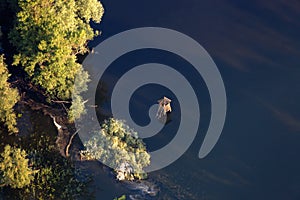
(43, 40)
(123, 197)
(119, 147)
(40, 172)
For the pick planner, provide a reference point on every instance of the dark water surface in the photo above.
(256, 47)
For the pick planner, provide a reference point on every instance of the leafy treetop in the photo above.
(8, 98)
(117, 144)
(14, 169)
(48, 35)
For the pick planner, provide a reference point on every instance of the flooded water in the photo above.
(256, 48)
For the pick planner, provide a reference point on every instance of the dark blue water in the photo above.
(256, 47)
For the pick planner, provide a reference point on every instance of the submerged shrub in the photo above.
(115, 145)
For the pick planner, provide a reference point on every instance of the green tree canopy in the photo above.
(116, 144)
(8, 98)
(48, 35)
(123, 197)
(14, 170)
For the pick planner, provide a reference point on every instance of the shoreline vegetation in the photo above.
(119, 147)
(41, 42)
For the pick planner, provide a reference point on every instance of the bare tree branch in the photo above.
(70, 142)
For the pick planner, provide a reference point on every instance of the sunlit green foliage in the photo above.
(48, 35)
(123, 197)
(115, 144)
(55, 177)
(77, 108)
(8, 98)
(14, 170)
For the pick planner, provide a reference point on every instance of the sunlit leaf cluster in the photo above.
(54, 176)
(115, 144)
(14, 169)
(48, 35)
(8, 98)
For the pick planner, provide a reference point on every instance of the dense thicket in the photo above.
(8, 98)
(14, 169)
(48, 36)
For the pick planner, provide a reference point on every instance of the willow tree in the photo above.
(48, 36)
(14, 169)
(8, 98)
